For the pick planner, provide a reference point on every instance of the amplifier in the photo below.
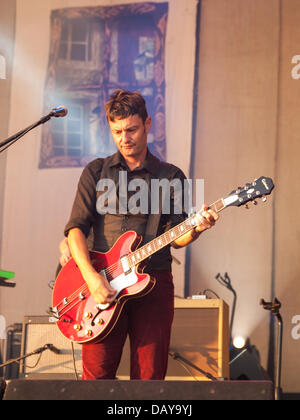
(199, 339)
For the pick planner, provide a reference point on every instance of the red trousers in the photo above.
(147, 321)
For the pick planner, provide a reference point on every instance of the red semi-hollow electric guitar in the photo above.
(79, 318)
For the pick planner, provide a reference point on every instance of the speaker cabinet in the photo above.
(199, 340)
(200, 335)
(199, 345)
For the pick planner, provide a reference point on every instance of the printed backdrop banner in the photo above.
(94, 50)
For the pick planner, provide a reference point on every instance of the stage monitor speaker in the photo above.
(111, 392)
(199, 335)
(245, 365)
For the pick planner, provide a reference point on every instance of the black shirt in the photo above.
(104, 229)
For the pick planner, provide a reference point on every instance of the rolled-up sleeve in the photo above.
(84, 207)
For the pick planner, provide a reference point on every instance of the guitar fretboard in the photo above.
(168, 237)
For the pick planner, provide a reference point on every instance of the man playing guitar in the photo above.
(147, 320)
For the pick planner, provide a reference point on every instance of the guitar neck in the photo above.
(168, 237)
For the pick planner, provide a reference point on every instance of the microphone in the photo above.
(60, 111)
(52, 348)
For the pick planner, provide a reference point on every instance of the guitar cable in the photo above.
(185, 367)
(74, 362)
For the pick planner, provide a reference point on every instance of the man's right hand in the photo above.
(100, 289)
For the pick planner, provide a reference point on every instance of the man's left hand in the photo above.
(206, 219)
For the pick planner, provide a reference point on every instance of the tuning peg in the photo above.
(247, 206)
(264, 199)
(255, 202)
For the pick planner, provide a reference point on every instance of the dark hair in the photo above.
(123, 104)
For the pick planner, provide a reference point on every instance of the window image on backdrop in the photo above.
(94, 50)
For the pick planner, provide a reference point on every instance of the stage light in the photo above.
(239, 342)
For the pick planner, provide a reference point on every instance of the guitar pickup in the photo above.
(125, 265)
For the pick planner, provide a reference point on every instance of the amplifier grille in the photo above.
(41, 330)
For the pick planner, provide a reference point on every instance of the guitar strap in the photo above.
(166, 171)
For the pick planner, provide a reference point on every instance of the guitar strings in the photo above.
(69, 308)
(72, 297)
(84, 288)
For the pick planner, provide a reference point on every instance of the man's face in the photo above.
(130, 135)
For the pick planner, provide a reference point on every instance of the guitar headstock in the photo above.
(259, 188)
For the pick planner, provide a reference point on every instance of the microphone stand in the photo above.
(56, 112)
(274, 308)
(177, 356)
(17, 359)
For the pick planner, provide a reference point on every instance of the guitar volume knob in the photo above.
(77, 327)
